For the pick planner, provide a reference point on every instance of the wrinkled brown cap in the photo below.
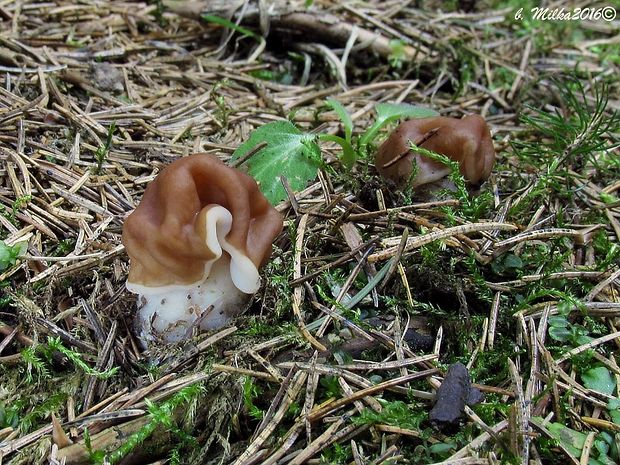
(165, 237)
(466, 140)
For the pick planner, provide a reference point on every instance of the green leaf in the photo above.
(513, 261)
(568, 304)
(289, 153)
(388, 112)
(501, 265)
(230, 25)
(613, 406)
(393, 111)
(442, 448)
(572, 440)
(348, 153)
(20, 248)
(603, 442)
(559, 333)
(599, 379)
(342, 112)
(582, 339)
(557, 320)
(608, 198)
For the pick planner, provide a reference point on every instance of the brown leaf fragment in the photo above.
(59, 436)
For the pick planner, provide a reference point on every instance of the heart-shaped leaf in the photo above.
(289, 153)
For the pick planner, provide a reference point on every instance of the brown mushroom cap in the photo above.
(167, 235)
(467, 141)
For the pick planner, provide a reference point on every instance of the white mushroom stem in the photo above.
(228, 280)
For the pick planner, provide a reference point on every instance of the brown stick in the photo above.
(309, 26)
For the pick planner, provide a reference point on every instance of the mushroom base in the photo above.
(170, 313)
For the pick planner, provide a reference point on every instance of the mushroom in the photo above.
(467, 141)
(195, 243)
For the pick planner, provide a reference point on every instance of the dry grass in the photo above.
(170, 85)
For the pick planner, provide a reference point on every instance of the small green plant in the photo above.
(432, 253)
(398, 55)
(63, 247)
(9, 254)
(34, 363)
(54, 344)
(471, 207)
(613, 409)
(10, 414)
(465, 62)
(25, 414)
(336, 455)
(568, 141)
(348, 152)
(159, 415)
(175, 457)
(31, 357)
(71, 41)
(388, 113)
(493, 409)
(96, 456)
(579, 132)
(281, 77)
(250, 393)
(442, 450)
(158, 12)
(331, 386)
(52, 404)
(18, 204)
(477, 277)
(561, 329)
(395, 413)
(102, 151)
(607, 251)
(223, 110)
(5, 298)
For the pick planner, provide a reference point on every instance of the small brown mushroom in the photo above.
(467, 141)
(196, 242)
